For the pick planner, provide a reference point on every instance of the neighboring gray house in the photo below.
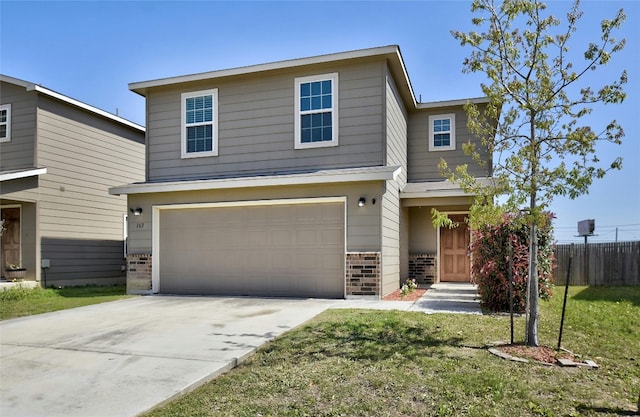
(58, 159)
(311, 177)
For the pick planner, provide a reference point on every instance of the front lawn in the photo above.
(19, 302)
(379, 363)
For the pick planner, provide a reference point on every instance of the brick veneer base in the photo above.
(363, 273)
(138, 273)
(422, 267)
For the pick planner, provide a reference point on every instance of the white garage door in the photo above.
(290, 250)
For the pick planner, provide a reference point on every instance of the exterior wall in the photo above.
(81, 225)
(405, 232)
(363, 274)
(422, 164)
(423, 237)
(139, 273)
(396, 155)
(256, 125)
(423, 268)
(19, 152)
(363, 223)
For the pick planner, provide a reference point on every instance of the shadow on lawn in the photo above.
(583, 408)
(369, 337)
(610, 294)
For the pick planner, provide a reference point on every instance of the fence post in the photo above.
(566, 293)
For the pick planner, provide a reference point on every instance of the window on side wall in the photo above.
(5, 123)
(316, 108)
(442, 132)
(199, 123)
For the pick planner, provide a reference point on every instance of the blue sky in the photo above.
(92, 50)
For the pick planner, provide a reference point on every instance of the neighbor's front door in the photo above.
(455, 264)
(10, 248)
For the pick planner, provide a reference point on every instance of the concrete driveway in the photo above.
(123, 358)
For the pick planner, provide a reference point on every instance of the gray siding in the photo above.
(81, 225)
(256, 122)
(19, 152)
(396, 154)
(363, 223)
(422, 164)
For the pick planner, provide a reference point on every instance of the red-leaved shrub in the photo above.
(490, 263)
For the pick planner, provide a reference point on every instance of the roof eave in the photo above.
(25, 173)
(77, 103)
(392, 52)
(452, 103)
(317, 177)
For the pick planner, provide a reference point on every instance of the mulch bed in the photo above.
(542, 354)
(412, 296)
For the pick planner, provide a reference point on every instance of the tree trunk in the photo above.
(532, 327)
(533, 287)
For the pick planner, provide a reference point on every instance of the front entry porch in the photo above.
(437, 254)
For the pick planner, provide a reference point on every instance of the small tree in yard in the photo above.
(540, 150)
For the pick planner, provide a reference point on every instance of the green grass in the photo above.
(20, 301)
(375, 363)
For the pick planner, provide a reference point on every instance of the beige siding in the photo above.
(422, 164)
(396, 130)
(81, 225)
(423, 237)
(19, 152)
(405, 232)
(390, 229)
(396, 155)
(256, 126)
(363, 223)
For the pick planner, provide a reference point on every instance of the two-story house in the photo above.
(311, 177)
(58, 159)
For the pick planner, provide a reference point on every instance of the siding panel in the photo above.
(19, 152)
(256, 122)
(81, 225)
(363, 223)
(422, 164)
(396, 155)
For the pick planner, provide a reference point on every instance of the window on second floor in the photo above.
(199, 125)
(316, 108)
(5, 123)
(442, 132)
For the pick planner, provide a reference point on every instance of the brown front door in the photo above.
(10, 251)
(454, 252)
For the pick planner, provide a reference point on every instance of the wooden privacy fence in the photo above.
(606, 264)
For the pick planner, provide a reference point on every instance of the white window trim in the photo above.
(7, 107)
(452, 146)
(183, 124)
(334, 111)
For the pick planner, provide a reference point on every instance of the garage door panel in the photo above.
(270, 250)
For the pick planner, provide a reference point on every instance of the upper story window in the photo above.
(442, 132)
(316, 107)
(5, 123)
(199, 123)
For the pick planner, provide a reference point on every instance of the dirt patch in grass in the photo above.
(412, 296)
(542, 354)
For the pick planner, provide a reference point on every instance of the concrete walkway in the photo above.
(443, 297)
(449, 297)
